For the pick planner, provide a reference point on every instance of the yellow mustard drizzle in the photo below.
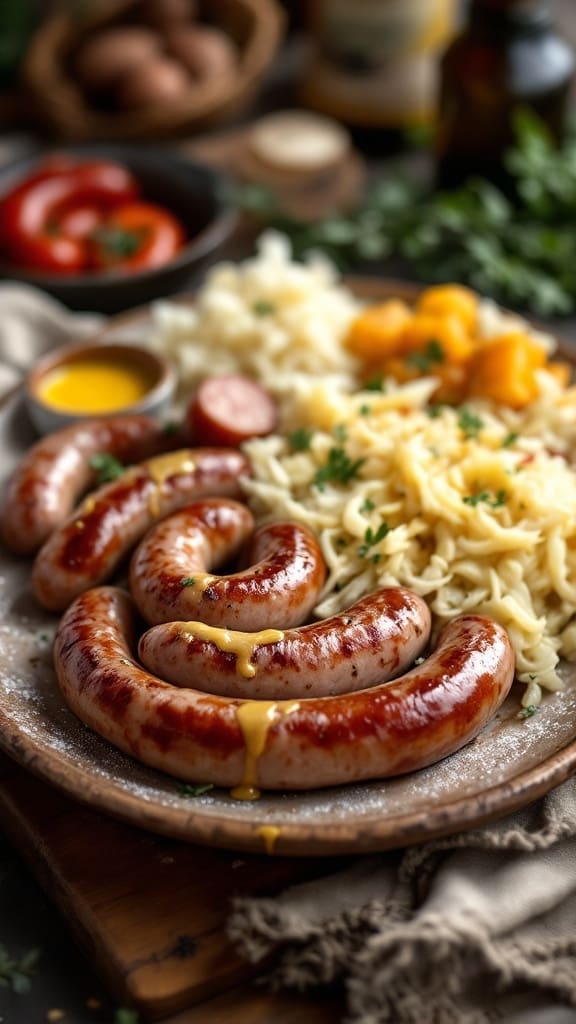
(197, 582)
(269, 835)
(161, 468)
(255, 718)
(241, 644)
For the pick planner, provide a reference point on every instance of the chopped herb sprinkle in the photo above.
(376, 383)
(107, 467)
(263, 307)
(338, 469)
(487, 498)
(16, 974)
(301, 439)
(469, 423)
(424, 361)
(371, 538)
(509, 440)
(185, 789)
(528, 711)
(188, 581)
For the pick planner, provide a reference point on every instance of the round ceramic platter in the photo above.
(512, 762)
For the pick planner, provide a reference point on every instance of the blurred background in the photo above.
(398, 136)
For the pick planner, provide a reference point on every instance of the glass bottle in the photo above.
(508, 56)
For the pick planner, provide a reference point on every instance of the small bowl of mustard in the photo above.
(91, 379)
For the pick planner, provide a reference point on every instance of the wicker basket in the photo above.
(256, 26)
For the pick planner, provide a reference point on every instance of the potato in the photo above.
(108, 55)
(158, 81)
(206, 53)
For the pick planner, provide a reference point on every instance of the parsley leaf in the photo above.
(485, 496)
(339, 468)
(300, 439)
(528, 711)
(376, 383)
(469, 423)
(371, 538)
(509, 440)
(199, 789)
(522, 253)
(188, 581)
(263, 308)
(17, 974)
(107, 467)
(424, 361)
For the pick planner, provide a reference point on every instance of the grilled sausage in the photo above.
(170, 575)
(377, 638)
(56, 471)
(89, 546)
(396, 727)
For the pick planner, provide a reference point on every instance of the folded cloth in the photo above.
(439, 934)
(32, 323)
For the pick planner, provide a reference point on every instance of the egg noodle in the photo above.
(473, 507)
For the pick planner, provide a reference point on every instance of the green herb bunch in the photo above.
(521, 252)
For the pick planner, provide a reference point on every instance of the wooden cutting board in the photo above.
(150, 912)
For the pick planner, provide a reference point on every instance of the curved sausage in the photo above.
(377, 638)
(230, 409)
(170, 574)
(397, 727)
(56, 471)
(89, 546)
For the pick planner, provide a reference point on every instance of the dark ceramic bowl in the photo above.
(192, 191)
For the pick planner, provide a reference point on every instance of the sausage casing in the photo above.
(396, 727)
(376, 639)
(88, 547)
(56, 471)
(170, 574)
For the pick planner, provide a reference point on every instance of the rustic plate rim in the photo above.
(373, 833)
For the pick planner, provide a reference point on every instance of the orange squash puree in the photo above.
(96, 384)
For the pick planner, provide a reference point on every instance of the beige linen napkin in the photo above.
(32, 323)
(443, 933)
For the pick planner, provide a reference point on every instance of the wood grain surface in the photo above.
(149, 912)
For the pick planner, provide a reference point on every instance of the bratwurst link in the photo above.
(376, 639)
(88, 548)
(170, 575)
(56, 471)
(393, 728)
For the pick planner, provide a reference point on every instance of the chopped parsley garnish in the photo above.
(371, 538)
(487, 498)
(124, 1016)
(469, 423)
(528, 711)
(367, 505)
(188, 581)
(375, 384)
(263, 307)
(107, 467)
(424, 361)
(434, 410)
(339, 468)
(16, 974)
(365, 410)
(300, 439)
(340, 432)
(509, 440)
(185, 789)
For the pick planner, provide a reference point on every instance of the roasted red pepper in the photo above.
(137, 236)
(30, 231)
